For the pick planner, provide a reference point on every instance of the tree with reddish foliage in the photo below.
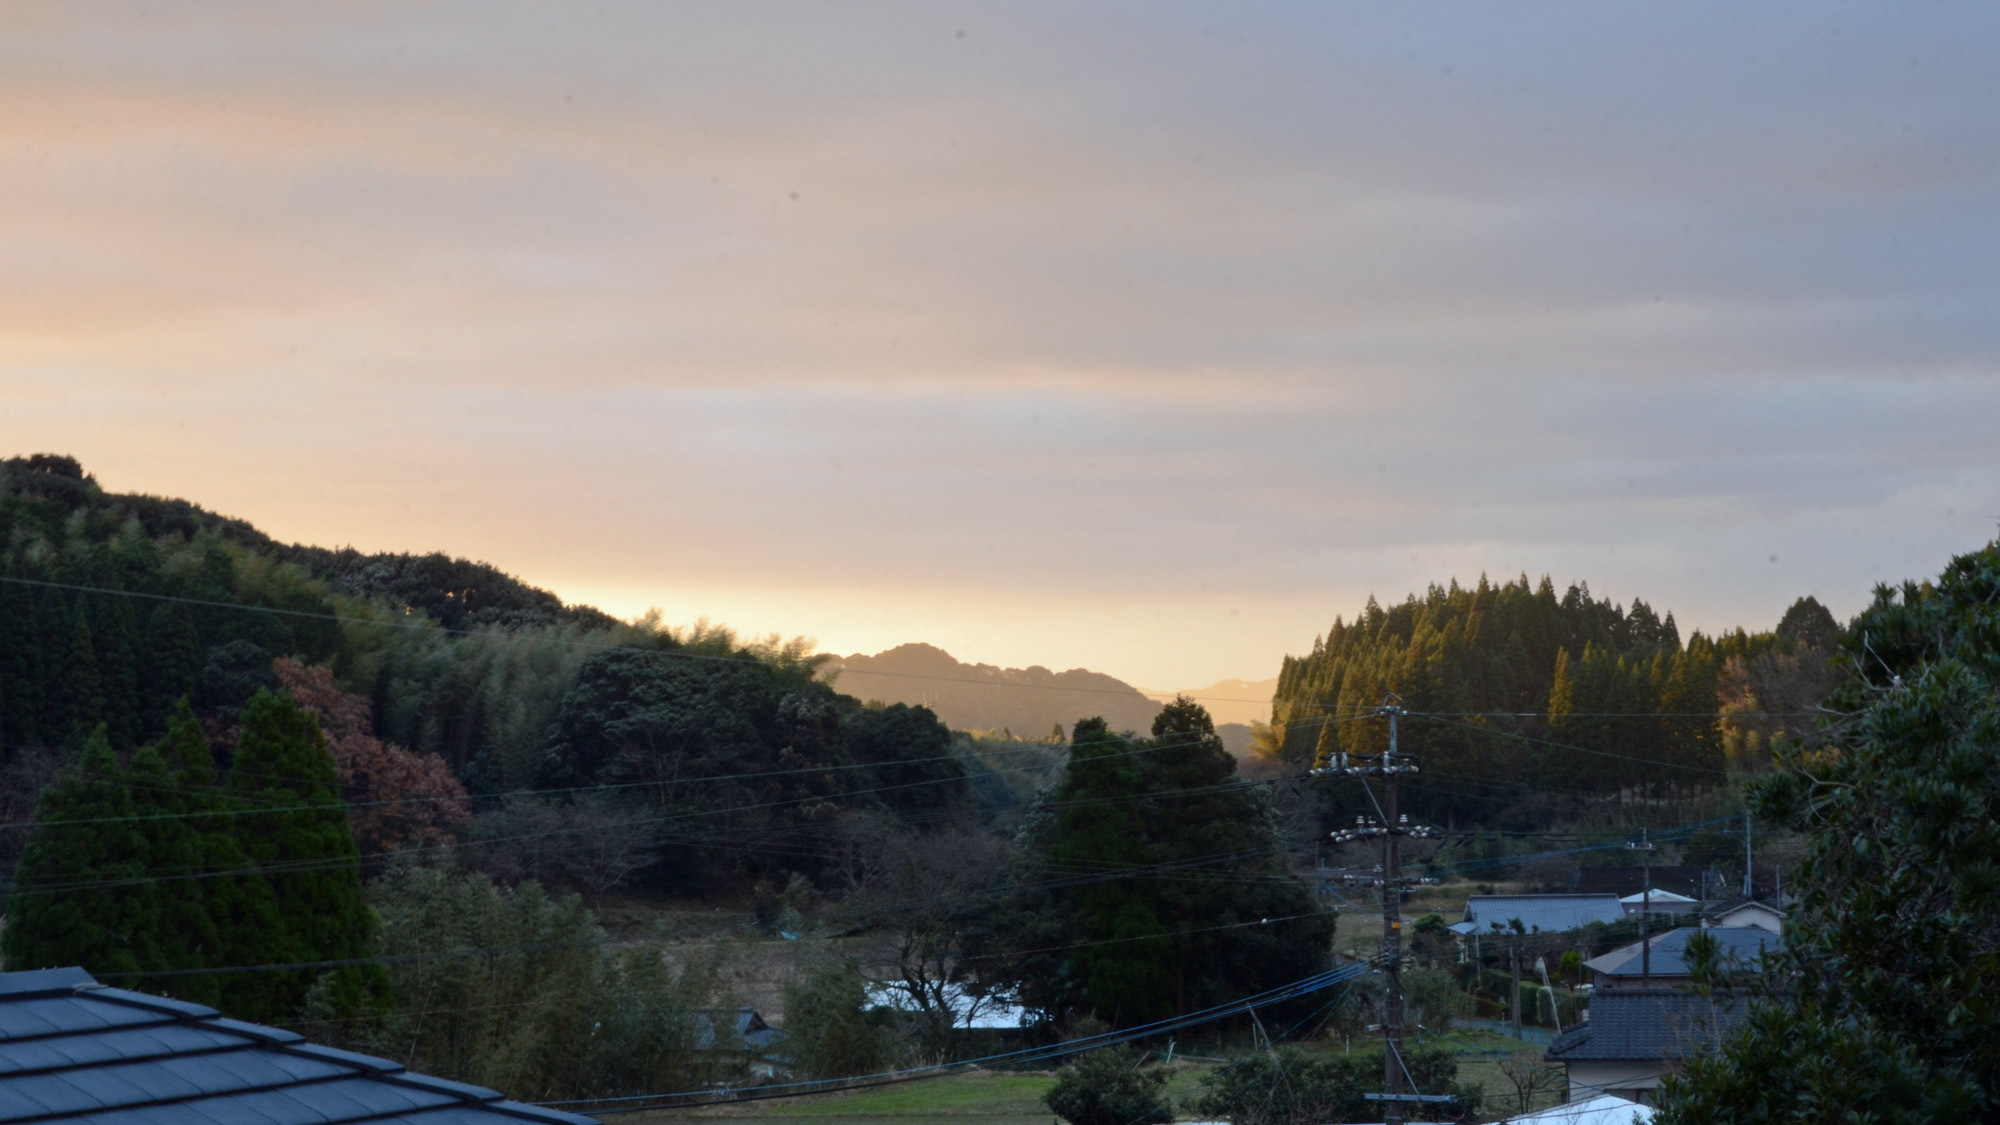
(396, 799)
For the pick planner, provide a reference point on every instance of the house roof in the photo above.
(1737, 946)
(1745, 904)
(72, 1050)
(1648, 1025)
(746, 1030)
(1690, 881)
(1539, 913)
(1657, 896)
(1604, 1109)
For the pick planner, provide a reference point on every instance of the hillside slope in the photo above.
(1030, 702)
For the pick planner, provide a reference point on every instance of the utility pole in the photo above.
(1749, 860)
(1644, 846)
(1389, 767)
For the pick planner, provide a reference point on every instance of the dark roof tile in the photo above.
(1648, 1025)
(75, 1053)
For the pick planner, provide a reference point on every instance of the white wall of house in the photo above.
(1638, 1081)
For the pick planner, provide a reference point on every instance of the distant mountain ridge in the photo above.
(1030, 702)
(1230, 701)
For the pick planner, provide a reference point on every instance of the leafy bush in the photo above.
(1292, 1086)
(510, 988)
(828, 1031)
(1106, 1087)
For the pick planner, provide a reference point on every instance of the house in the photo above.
(741, 1041)
(1604, 1109)
(1747, 912)
(1699, 883)
(1665, 965)
(1659, 902)
(1635, 1037)
(1547, 914)
(73, 1052)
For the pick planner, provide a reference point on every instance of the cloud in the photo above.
(1116, 306)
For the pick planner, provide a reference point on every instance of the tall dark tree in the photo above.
(298, 836)
(82, 895)
(1151, 883)
(1888, 1006)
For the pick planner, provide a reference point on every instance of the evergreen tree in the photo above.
(1885, 1007)
(82, 894)
(306, 850)
(1178, 899)
(81, 695)
(116, 640)
(170, 663)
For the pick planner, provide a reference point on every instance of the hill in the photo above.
(1240, 702)
(1030, 702)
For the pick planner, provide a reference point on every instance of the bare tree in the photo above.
(922, 890)
(1531, 1077)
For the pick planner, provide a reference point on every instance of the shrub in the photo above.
(828, 1032)
(1106, 1087)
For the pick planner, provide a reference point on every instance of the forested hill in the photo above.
(1520, 690)
(1029, 702)
(115, 607)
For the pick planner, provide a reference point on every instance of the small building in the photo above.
(1635, 1037)
(73, 1052)
(1659, 902)
(741, 1041)
(1543, 914)
(1665, 964)
(1604, 1109)
(1746, 912)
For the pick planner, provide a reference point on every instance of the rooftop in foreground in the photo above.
(73, 1050)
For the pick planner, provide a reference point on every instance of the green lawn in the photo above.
(992, 1097)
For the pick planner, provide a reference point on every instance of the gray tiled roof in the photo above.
(1647, 1025)
(1545, 913)
(72, 1050)
(1738, 947)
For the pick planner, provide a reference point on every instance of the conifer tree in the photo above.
(115, 637)
(81, 695)
(170, 668)
(302, 842)
(81, 895)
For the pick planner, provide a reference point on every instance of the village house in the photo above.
(1635, 1037)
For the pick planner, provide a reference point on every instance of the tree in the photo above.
(1149, 882)
(298, 837)
(396, 799)
(512, 988)
(81, 895)
(1891, 965)
(1107, 1087)
(828, 1030)
(1289, 1086)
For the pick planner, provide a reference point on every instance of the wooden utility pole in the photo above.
(1389, 767)
(1644, 846)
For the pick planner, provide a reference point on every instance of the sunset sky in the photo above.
(1142, 337)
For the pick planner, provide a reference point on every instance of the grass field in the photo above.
(1015, 1098)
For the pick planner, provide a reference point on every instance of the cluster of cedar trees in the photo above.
(1518, 693)
(157, 870)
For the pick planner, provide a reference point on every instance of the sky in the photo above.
(1140, 337)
